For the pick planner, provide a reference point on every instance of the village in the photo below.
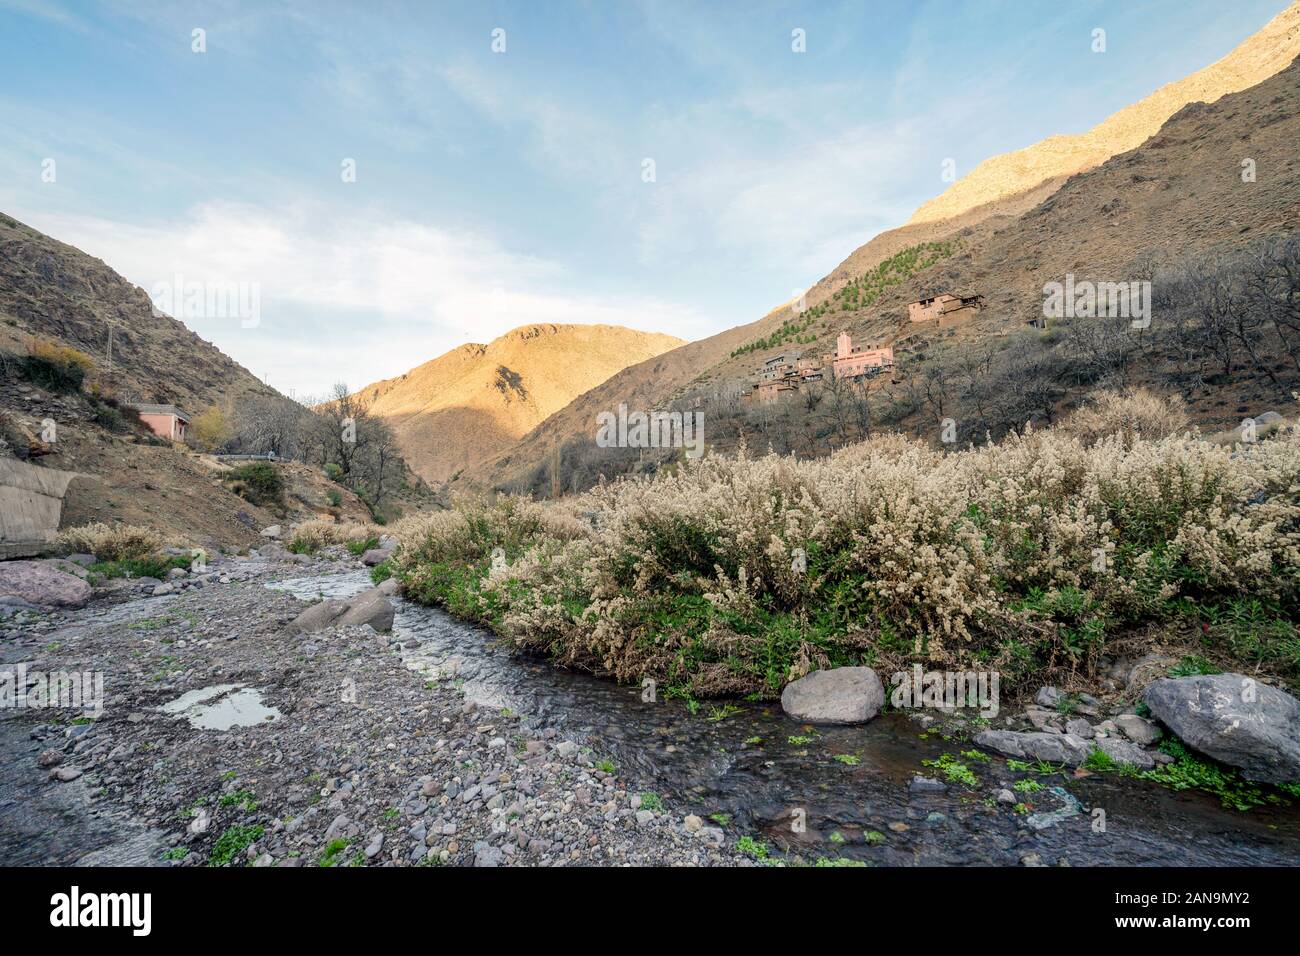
(788, 371)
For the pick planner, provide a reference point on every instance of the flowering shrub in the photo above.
(310, 536)
(736, 575)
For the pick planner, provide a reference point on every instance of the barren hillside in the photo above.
(462, 407)
(1262, 55)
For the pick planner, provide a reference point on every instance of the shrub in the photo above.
(110, 542)
(59, 368)
(310, 536)
(258, 482)
(210, 429)
(736, 575)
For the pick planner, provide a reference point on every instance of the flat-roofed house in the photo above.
(945, 309)
(165, 421)
(851, 362)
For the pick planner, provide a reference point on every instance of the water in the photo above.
(221, 707)
(745, 764)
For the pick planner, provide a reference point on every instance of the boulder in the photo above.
(369, 607)
(389, 586)
(1054, 748)
(317, 617)
(271, 532)
(1235, 719)
(842, 695)
(376, 556)
(82, 559)
(42, 583)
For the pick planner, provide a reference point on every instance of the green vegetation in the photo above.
(361, 546)
(652, 801)
(381, 572)
(954, 770)
(331, 856)
(751, 847)
(257, 482)
(176, 853)
(1189, 772)
(849, 760)
(858, 294)
(138, 567)
(235, 840)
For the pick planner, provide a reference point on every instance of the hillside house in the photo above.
(165, 421)
(852, 362)
(945, 309)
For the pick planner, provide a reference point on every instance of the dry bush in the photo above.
(311, 536)
(1139, 413)
(735, 575)
(110, 542)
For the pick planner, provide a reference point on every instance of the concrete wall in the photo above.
(31, 503)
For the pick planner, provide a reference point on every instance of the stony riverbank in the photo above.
(363, 761)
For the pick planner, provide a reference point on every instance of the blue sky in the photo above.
(496, 189)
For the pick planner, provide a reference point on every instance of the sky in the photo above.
(357, 188)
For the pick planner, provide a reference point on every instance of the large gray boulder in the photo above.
(42, 583)
(1235, 719)
(369, 607)
(1054, 748)
(843, 695)
(376, 556)
(318, 617)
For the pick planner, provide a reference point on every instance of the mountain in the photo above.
(1089, 205)
(55, 292)
(456, 410)
(1260, 56)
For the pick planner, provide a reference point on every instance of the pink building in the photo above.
(165, 421)
(850, 362)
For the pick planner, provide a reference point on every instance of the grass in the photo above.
(752, 848)
(849, 760)
(361, 546)
(652, 801)
(333, 852)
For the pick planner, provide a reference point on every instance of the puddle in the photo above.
(217, 708)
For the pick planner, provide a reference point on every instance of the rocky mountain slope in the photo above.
(1181, 190)
(460, 408)
(1262, 55)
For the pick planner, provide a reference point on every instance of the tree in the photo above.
(210, 430)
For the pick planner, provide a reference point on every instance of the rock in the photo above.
(339, 824)
(1006, 796)
(566, 748)
(42, 583)
(369, 607)
(1031, 859)
(1124, 752)
(85, 560)
(1107, 727)
(317, 617)
(842, 695)
(487, 856)
(375, 556)
(376, 844)
(1042, 719)
(1235, 719)
(1049, 697)
(65, 774)
(1080, 728)
(162, 589)
(49, 758)
(1138, 729)
(389, 586)
(272, 532)
(692, 823)
(922, 784)
(1054, 748)
(643, 817)
(177, 573)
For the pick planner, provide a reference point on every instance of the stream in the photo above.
(707, 766)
